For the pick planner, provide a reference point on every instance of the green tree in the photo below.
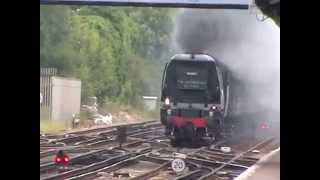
(116, 52)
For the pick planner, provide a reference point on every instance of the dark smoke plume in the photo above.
(248, 47)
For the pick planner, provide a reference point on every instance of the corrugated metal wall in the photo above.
(46, 91)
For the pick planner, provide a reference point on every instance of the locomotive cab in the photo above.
(193, 103)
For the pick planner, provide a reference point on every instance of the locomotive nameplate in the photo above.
(192, 78)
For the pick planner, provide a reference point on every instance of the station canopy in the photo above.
(220, 4)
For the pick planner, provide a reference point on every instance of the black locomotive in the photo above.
(194, 98)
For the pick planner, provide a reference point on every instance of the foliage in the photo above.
(115, 51)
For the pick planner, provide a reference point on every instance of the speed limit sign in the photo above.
(178, 165)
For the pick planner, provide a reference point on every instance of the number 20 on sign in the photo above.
(178, 165)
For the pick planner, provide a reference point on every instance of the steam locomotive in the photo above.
(202, 100)
(194, 98)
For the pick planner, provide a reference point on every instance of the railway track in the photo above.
(97, 137)
(147, 154)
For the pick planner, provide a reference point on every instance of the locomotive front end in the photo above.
(192, 98)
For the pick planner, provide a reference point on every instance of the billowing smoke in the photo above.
(248, 47)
